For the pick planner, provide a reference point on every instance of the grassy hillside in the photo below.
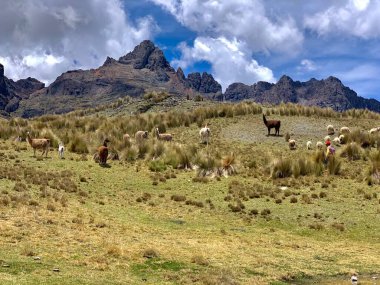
(177, 213)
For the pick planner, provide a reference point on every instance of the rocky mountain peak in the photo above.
(1, 70)
(146, 55)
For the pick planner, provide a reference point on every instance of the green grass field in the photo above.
(71, 221)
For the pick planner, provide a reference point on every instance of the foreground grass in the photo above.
(115, 227)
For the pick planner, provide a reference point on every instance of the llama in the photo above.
(292, 144)
(42, 144)
(276, 124)
(308, 145)
(103, 152)
(61, 150)
(140, 136)
(163, 137)
(204, 134)
(330, 130)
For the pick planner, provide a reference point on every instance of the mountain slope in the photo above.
(143, 70)
(328, 92)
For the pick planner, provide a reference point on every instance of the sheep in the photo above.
(292, 144)
(336, 140)
(342, 139)
(163, 137)
(330, 130)
(344, 130)
(319, 145)
(103, 152)
(61, 150)
(308, 145)
(42, 144)
(140, 136)
(374, 130)
(127, 138)
(327, 138)
(204, 134)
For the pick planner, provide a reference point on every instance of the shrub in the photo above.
(293, 200)
(178, 198)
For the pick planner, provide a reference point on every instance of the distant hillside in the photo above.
(328, 92)
(146, 69)
(142, 70)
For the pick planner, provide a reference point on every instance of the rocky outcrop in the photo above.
(11, 92)
(205, 84)
(329, 92)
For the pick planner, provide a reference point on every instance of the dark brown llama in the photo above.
(276, 124)
(103, 152)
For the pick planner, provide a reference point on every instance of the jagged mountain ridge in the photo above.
(146, 69)
(329, 92)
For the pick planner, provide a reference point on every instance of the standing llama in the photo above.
(276, 124)
(42, 144)
(103, 153)
(205, 134)
(61, 150)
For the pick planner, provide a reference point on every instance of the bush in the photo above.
(282, 168)
(334, 165)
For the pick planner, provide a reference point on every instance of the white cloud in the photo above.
(359, 18)
(231, 60)
(307, 65)
(245, 20)
(43, 38)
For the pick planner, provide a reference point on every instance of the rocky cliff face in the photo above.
(328, 92)
(11, 92)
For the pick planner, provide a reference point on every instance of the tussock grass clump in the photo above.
(334, 165)
(157, 166)
(282, 168)
(338, 226)
(150, 253)
(228, 164)
(200, 260)
(178, 198)
(78, 145)
(351, 151)
(316, 226)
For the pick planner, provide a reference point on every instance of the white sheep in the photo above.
(61, 150)
(341, 139)
(330, 130)
(336, 140)
(319, 145)
(374, 130)
(140, 136)
(204, 134)
(163, 137)
(344, 130)
(292, 144)
(308, 145)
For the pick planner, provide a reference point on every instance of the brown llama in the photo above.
(103, 152)
(276, 124)
(42, 144)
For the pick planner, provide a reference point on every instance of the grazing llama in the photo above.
(163, 137)
(103, 152)
(42, 144)
(276, 124)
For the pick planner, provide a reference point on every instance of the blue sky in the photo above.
(235, 40)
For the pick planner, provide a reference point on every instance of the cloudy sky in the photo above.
(235, 40)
